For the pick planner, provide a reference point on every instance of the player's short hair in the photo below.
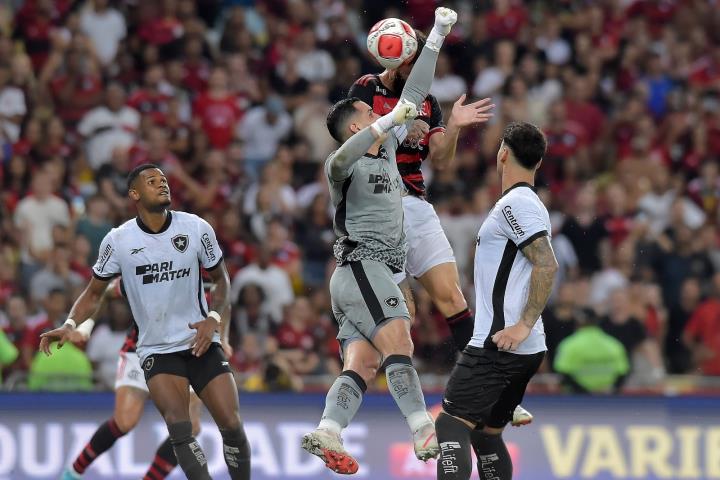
(527, 143)
(339, 115)
(136, 172)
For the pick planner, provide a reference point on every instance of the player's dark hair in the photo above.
(338, 116)
(136, 171)
(527, 143)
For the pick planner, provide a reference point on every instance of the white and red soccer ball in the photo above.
(392, 42)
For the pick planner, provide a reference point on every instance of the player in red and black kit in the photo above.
(430, 258)
(131, 393)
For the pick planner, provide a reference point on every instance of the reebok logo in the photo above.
(512, 221)
(136, 250)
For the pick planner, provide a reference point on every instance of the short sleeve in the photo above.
(210, 252)
(107, 265)
(523, 221)
(436, 117)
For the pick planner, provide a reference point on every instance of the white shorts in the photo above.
(428, 246)
(129, 373)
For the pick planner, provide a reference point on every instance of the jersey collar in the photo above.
(519, 184)
(166, 225)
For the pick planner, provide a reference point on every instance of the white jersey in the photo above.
(161, 276)
(502, 273)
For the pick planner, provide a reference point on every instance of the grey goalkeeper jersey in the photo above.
(368, 202)
(367, 189)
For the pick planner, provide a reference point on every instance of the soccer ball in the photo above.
(392, 42)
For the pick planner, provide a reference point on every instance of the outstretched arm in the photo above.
(84, 306)
(423, 72)
(341, 161)
(444, 144)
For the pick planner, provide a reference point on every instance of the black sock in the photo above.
(188, 452)
(237, 453)
(163, 463)
(104, 438)
(492, 456)
(455, 461)
(461, 327)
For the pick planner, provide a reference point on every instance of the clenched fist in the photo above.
(445, 18)
(403, 112)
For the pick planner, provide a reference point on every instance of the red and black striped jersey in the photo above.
(409, 156)
(130, 339)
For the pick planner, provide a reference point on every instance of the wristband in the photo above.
(434, 40)
(383, 124)
(86, 327)
(70, 322)
(215, 315)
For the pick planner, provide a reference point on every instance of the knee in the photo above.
(180, 432)
(126, 420)
(230, 422)
(451, 299)
(172, 418)
(365, 367)
(403, 345)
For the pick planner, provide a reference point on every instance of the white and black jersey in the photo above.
(502, 272)
(162, 277)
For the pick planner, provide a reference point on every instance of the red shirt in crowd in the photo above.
(150, 103)
(506, 25)
(160, 31)
(289, 337)
(84, 87)
(704, 325)
(219, 117)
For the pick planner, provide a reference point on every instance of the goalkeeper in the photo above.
(373, 319)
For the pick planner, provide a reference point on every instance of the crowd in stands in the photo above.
(230, 97)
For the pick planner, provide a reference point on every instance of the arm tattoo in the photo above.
(544, 267)
(221, 293)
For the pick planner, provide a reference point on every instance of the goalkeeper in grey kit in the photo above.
(373, 319)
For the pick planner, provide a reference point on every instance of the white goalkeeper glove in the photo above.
(445, 18)
(402, 112)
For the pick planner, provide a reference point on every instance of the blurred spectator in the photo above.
(57, 275)
(702, 333)
(19, 332)
(106, 340)
(313, 64)
(150, 99)
(623, 321)
(585, 230)
(559, 320)
(218, 110)
(35, 217)
(315, 236)
(8, 352)
(261, 131)
(446, 87)
(590, 360)
(678, 356)
(251, 314)
(12, 106)
(296, 343)
(95, 224)
(273, 280)
(105, 27)
(67, 370)
(109, 127)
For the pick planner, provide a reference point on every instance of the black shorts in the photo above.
(198, 370)
(486, 385)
